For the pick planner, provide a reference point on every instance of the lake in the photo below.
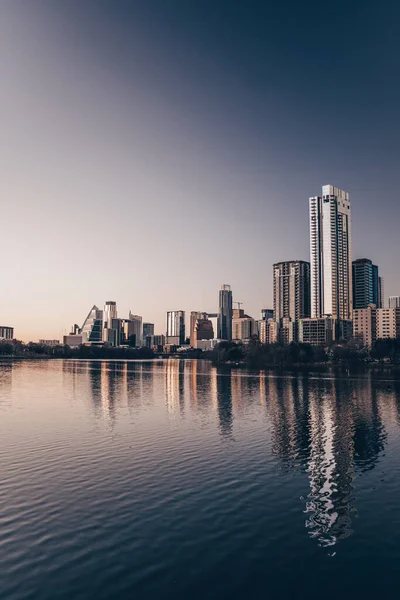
(173, 479)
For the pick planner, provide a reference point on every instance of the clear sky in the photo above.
(152, 150)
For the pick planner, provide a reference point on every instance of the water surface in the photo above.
(173, 480)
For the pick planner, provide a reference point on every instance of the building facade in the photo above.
(330, 254)
(244, 328)
(6, 333)
(225, 313)
(159, 341)
(109, 313)
(372, 323)
(394, 302)
(175, 327)
(51, 343)
(317, 332)
(135, 330)
(148, 330)
(92, 328)
(381, 293)
(73, 340)
(366, 284)
(203, 330)
(291, 290)
(195, 316)
(267, 313)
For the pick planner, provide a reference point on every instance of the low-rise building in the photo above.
(206, 345)
(6, 333)
(317, 331)
(73, 340)
(49, 342)
(244, 328)
(394, 301)
(159, 340)
(371, 324)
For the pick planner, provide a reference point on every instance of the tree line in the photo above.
(18, 349)
(256, 355)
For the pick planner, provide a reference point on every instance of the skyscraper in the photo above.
(225, 313)
(291, 290)
(176, 327)
(203, 330)
(148, 334)
(135, 329)
(92, 328)
(366, 284)
(110, 312)
(267, 313)
(330, 251)
(111, 324)
(381, 293)
(148, 329)
(196, 330)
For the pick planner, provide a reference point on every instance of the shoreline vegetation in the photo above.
(252, 356)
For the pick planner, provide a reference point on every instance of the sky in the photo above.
(153, 150)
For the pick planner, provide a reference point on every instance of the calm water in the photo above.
(172, 480)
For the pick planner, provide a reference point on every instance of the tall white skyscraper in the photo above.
(330, 252)
(176, 327)
(109, 313)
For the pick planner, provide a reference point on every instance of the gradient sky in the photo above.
(152, 150)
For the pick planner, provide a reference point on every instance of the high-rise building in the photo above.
(110, 336)
(113, 334)
(267, 313)
(148, 329)
(201, 328)
(366, 286)
(148, 334)
(225, 313)
(133, 330)
(291, 290)
(330, 251)
(176, 327)
(194, 316)
(92, 328)
(394, 301)
(109, 313)
(213, 317)
(381, 293)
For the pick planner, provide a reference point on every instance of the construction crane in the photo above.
(239, 304)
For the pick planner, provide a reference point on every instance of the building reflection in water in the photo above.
(6, 378)
(327, 428)
(175, 386)
(201, 388)
(224, 403)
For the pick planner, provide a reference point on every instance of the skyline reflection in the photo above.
(326, 428)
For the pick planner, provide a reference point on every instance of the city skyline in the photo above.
(181, 139)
